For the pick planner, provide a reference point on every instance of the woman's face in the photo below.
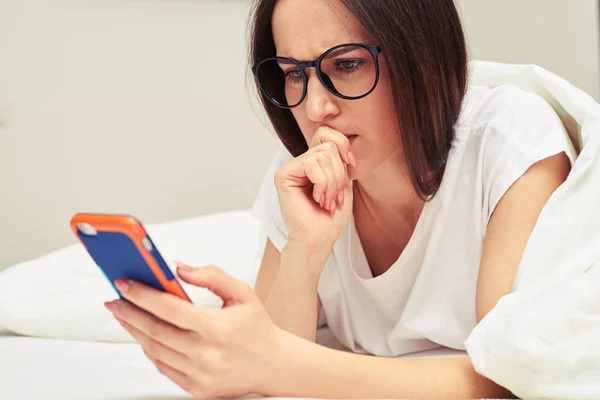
(303, 30)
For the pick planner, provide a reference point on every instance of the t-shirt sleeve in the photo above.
(524, 132)
(266, 206)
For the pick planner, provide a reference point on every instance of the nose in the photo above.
(320, 103)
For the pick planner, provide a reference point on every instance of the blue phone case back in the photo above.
(118, 257)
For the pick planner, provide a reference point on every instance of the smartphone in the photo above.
(122, 249)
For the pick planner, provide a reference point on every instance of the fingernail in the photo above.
(322, 200)
(340, 197)
(332, 206)
(183, 267)
(111, 306)
(352, 159)
(122, 285)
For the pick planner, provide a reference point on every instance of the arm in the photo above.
(511, 225)
(288, 293)
(320, 372)
(314, 194)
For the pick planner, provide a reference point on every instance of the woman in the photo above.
(397, 212)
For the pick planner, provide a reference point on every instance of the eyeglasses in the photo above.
(349, 71)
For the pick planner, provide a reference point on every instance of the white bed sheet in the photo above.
(35, 368)
(38, 368)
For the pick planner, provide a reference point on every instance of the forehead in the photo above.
(303, 29)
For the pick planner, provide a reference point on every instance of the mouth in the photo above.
(352, 138)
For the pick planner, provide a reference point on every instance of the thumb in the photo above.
(228, 288)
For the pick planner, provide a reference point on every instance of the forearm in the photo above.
(309, 370)
(293, 301)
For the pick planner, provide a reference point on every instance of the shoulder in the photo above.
(508, 118)
(494, 115)
(501, 133)
(506, 105)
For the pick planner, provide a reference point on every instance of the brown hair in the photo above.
(425, 50)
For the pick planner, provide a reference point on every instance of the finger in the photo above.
(326, 134)
(228, 288)
(168, 335)
(325, 160)
(158, 351)
(341, 176)
(167, 307)
(316, 175)
(178, 377)
(340, 198)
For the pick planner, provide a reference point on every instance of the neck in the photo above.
(387, 194)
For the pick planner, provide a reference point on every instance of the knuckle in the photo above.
(311, 164)
(211, 270)
(224, 334)
(195, 389)
(152, 349)
(330, 146)
(154, 329)
(166, 308)
(280, 175)
(246, 288)
(308, 163)
(321, 157)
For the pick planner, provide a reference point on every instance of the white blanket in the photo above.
(543, 340)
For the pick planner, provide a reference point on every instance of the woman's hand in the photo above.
(229, 352)
(315, 192)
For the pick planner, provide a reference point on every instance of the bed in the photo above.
(41, 368)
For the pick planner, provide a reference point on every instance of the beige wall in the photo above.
(560, 35)
(140, 106)
(122, 106)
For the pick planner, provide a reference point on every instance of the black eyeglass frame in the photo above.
(374, 50)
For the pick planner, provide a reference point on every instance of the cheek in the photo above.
(386, 112)
(380, 114)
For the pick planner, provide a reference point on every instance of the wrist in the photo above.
(312, 252)
(282, 378)
(301, 262)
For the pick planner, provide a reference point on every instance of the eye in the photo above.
(294, 75)
(348, 65)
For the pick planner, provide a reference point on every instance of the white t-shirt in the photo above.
(427, 297)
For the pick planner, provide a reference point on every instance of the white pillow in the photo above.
(61, 294)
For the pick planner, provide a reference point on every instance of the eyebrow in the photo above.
(342, 51)
(335, 53)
